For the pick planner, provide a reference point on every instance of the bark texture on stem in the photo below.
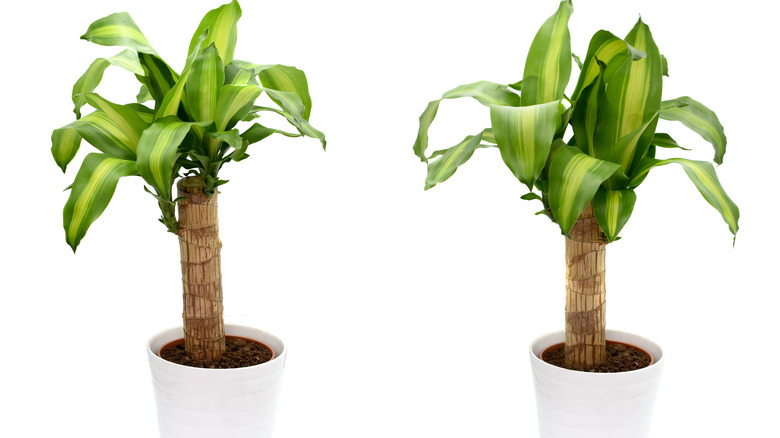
(585, 293)
(204, 328)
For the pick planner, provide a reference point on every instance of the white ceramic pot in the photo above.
(595, 405)
(209, 403)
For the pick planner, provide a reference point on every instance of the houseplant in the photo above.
(186, 137)
(585, 182)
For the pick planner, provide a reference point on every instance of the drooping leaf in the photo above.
(91, 192)
(486, 93)
(612, 52)
(703, 176)
(284, 78)
(574, 179)
(548, 65)
(612, 209)
(292, 110)
(143, 95)
(65, 144)
(258, 132)
(124, 117)
(223, 33)
(241, 73)
(445, 166)
(666, 141)
(524, 136)
(698, 118)
(118, 29)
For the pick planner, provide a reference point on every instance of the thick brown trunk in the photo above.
(585, 293)
(204, 329)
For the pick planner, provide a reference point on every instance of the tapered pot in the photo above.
(211, 403)
(595, 405)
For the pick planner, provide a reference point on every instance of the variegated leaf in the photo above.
(612, 209)
(158, 77)
(234, 103)
(445, 166)
(548, 64)
(486, 93)
(204, 84)
(127, 59)
(65, 144)
(223, 33)
(284, 78)
(258, 132)
(574, 179)
(698, 118)
(524, 136)
(91, 192)
(612, 52)
(118, 29)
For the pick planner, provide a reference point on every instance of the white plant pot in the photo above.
(209, 403)
(595, 405)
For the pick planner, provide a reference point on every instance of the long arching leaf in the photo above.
(612, 209)
(548, 65)
(127, 59)
(292, 110)
(223, 33)
(123, 117)
(486, 93)
(524, 136)
(91, 192)
(703, 176)
(574, 179)
(234, 103)
(445, 166)
(118, 29)
(698, 118)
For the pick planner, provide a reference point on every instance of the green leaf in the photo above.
(632, 96)
(143, 95)
(698, 118)
(666, 141)
(703, 176)
(284, 78)
(157, 153)
(612, 209)
(65, 144)
(574, 179)
(127, 59)
(524, 136)
(610, 51)
(125, 118)
(172, 98)
(242, 73)
(158, 77)
(486, 93)
(204, 85)
(292, 110)
(444, 167)
(258, 132)
(234, 103)
(91, 192)
(626, 152)
(118, 29)
(548, 65)
(221, 23)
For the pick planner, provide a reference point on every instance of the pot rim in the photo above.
(542, 343)
(166, 336)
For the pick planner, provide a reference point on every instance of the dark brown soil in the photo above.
(620, 357)
(239, 353)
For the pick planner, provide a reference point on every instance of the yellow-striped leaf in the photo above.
(173, 97)
(158, 76)
(242, 73)
(99, 130)
(258, 132)
(445, 166)
(609, 50)
(65, 144)
(118, 29)
(703, 176)
(574, 179)
(612, 209)
(548, 64)
(524, 136)
(124, 117)
(91, 192)
(234, 103)
(157, 153)
(632, 96)
(285, 78)
(204, 84)
(486, 93)
(223, 33)
(292, 110)
(127, 59)
(698, 118)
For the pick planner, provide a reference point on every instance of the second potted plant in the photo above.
(586, 184)
(218, 380)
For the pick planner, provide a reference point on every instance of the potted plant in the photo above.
(185, 137)
(586, 184)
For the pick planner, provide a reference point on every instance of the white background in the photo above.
(406, 313)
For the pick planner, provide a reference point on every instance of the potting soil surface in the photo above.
(620, 357)
(239, 353)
